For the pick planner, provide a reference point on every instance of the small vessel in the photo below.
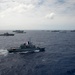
(26, 48)
(72, 30)
(19, 31)
(7, 34)
(55, 31)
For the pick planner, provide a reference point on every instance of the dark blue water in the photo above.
(58, 59)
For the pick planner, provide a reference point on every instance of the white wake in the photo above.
(3, 52)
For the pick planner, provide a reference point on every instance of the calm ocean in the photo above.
(58, 58)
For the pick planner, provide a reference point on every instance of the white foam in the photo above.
(24, 52)
(36, 51)
(3, 52)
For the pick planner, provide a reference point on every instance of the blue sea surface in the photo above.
(58, 58)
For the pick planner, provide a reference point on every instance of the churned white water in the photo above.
(3, 52)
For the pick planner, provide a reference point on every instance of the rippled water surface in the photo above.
(58, 58)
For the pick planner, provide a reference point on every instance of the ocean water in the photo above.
(58, 58)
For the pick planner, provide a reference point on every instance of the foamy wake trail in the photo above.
(3, 52)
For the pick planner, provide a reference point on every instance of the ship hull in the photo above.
(26, 50)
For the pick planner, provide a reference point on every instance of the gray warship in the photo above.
(7, 34)
(19, 31)
(26, 48)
